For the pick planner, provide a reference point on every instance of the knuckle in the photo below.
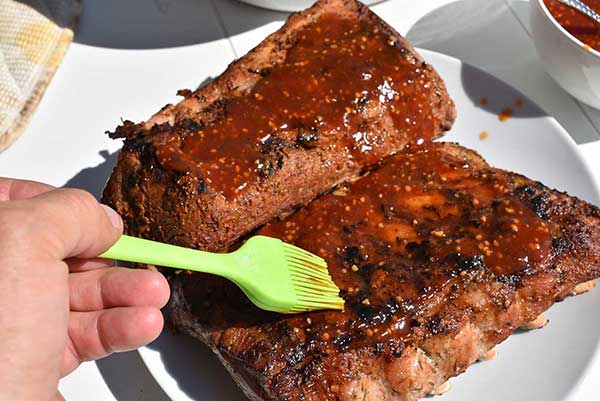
(79, 195)
(11, 216)
(82, 201)
(15, 222)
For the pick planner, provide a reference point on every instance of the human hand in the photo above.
(59, 306)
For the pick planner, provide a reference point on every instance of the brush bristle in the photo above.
(313, 285)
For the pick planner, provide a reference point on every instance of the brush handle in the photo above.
(140, 250)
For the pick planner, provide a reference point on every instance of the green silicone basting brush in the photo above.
(275, 276)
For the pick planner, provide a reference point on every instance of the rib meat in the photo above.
(439, 257)
(316, 103)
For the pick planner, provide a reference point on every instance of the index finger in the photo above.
(63, 223)
(12, 189)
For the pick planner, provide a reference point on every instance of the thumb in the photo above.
(68, 223)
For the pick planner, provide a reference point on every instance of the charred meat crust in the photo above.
(469, 308)
(182, 208)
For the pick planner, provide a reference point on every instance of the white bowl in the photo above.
(290, 5)
(573, 66)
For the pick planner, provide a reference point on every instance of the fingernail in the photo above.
(114, 217)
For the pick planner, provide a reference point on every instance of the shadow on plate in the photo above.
(93, 179)
(128, 379)
(155, 24)
(495, 96)
(197, 370)
(490, 36)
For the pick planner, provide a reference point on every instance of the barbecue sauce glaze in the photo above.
(336, 76)
(402, 236)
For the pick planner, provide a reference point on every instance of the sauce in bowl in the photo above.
(577, 24)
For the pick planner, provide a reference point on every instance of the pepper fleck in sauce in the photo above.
(339, 75)
(399, 237)
(578, 24)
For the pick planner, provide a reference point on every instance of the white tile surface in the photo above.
(246, 25)
(592, 114)
(404, 14)
(155, 47)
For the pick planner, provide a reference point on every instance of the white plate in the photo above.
(544, 365)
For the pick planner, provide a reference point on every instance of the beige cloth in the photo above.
(34, 36)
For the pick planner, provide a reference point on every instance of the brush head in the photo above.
(283, 278)
(311, 281)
